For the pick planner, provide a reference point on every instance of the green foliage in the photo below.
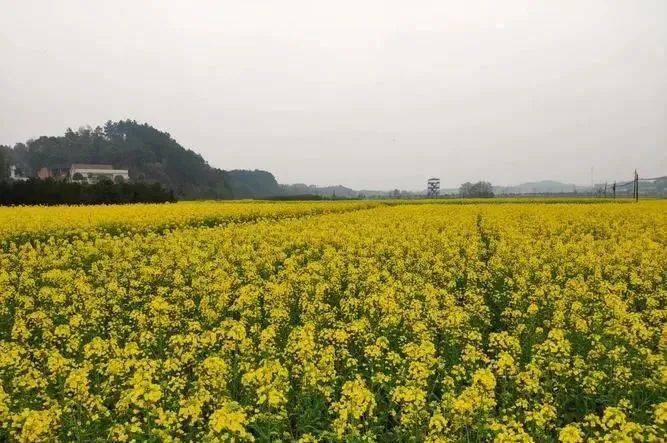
(249, 184)
(53, 192)
(150, 155)
(4, 166)
(480, 189)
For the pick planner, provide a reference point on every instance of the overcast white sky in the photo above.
(368, 94)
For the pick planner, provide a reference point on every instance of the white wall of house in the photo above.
(15, 175)
(93, 175)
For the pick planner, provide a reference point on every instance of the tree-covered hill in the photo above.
(252, 184)
(149, 154)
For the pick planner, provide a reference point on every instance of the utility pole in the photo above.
(613, 187)
(636, 186)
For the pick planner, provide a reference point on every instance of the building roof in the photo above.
(90, 166)
(58, 166)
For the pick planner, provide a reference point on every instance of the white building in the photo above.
(83, 173)
(15, 174)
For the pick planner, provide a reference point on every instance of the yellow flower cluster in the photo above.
(334, 321)
(27, 223)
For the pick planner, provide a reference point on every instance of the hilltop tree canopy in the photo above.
(150, 155)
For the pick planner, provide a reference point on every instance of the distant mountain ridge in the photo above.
(539, 187)
(323, 191)
(536, 187)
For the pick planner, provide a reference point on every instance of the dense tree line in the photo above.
(4, 166)
(480, 189)
(53, 192)
(252, 184)
(150, 155)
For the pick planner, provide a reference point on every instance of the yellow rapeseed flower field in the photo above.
(26, 223)
(334, 321)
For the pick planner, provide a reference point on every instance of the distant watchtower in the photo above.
(433, 187)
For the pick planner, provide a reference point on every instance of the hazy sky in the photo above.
(369, 94)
